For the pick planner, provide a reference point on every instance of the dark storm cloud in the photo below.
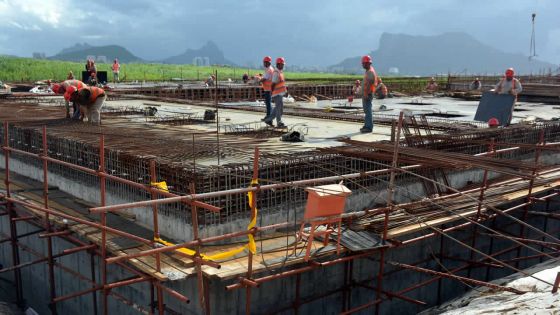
(309, 32)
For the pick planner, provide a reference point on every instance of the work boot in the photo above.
(268, 122)
(281, 125)
(365, 130)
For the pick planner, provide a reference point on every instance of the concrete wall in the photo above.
(271, 295)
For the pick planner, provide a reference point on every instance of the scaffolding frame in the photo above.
(248, 281)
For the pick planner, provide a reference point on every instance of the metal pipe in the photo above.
(452, 276)
(79, 220)
(154, 179)
(305, 182)
(109, 176)
(12, 215)
(312, 265)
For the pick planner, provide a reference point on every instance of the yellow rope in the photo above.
(251, 245)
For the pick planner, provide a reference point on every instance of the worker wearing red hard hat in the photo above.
(369, 85)
(278, 91)
(266, 82)
(62, 88)
(508, 84)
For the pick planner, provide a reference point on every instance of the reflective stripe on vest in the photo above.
(267, 84)
(371, 89)
(76, 83)
(95, 92)
(279, 87)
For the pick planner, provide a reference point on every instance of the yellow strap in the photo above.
(251, 245)
(160, 185)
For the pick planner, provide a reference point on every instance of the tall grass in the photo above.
(15, 69)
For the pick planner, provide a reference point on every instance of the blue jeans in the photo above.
(278, 110)
(76, 114)
(268, 103)
(366, 104)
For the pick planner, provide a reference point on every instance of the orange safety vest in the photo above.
(76, 83)
(95, 92)
(371, 89)
(279, 87)
(267, 84)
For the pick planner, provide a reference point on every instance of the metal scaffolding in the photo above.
(536, 183)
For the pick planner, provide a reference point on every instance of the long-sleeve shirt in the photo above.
(505, 86)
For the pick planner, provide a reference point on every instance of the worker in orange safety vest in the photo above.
(266, 82)
(279, 89)
(62, 88)
(369, 85)
(90, 99)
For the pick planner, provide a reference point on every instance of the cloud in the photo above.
(311, 32)
(93, 37)
(33, 27)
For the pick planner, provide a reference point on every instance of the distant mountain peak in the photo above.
(80, 52)
(451, 52)
(76, 47)
(208, 54)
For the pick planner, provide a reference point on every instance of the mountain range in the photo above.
(398, 54)
(105, 54)
(445, 53)
(208, 54)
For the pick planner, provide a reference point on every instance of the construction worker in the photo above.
(369, 85)
(381, 91)
(62, 88)
(116, 67)
(432, 86)
(266, 82)
(508, 84)
(278, 91)
(90, 99)
(475, 85)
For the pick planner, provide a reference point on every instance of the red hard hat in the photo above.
(510, 72)
(267, 59)
(55, 88)
(366, 58)
(280, 60)
(493, 122)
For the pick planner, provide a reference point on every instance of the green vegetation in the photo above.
(14, 69)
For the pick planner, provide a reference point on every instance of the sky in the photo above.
(305, 32)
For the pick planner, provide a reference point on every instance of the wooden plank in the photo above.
(234, 268)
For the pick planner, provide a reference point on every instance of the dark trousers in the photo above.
(268, 103)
